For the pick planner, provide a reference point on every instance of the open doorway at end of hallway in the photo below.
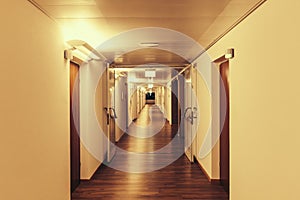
(150, 97)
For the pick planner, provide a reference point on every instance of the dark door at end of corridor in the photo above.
(225, 134)
(74, 126)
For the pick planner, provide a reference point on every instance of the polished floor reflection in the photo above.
(178, 180)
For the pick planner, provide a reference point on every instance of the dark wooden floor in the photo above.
(179, 180)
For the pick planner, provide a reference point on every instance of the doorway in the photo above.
(225, 128)
(174, 102)
(74, 126)
(150, 98)
(190, 113)
(111, 114)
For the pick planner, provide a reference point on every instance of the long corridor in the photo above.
(179, 180)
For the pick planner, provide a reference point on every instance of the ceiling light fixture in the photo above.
(150, 59)
(229, 54)
(150, 86)
(150, 80)
(85, 49)
(149, 44)
(150, 73)
(118, 59)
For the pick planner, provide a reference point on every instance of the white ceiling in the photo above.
(95, 21)
(174, 47)
(117, 27)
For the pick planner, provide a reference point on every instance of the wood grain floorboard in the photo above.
(178, 181)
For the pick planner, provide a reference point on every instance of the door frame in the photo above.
(188, 115)
(111, 113)
(217, 106)
(74, 127)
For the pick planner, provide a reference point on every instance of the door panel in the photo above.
(74, 126)
(174, 100)
(187, 116)
(111, 114)
(224, 137)
(194, 110)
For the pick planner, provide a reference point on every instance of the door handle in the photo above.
(195, 114)
(189, 117)
(192, 115)
(186, 110)
(107, 115)
(114, 115)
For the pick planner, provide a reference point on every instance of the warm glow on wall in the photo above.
(143, 89)
(83, 30)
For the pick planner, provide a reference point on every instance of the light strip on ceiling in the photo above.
(149, 44)
(150, 73)
(150, 86)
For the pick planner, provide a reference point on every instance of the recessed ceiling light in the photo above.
(150, 86)
(119, 59)
(149, 44)
(150, 59)
(150, 73)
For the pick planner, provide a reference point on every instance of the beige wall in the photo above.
(132, 105)
(140, 100)
(264, 83)
(159, 98)
(168, 103)
(34, 106)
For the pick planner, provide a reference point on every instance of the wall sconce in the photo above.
(149, 44)
(68, 54)
(229, 54)
(83, 50)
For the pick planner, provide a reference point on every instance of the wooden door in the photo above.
(174, 100)
(74, 126)
(225, 134)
